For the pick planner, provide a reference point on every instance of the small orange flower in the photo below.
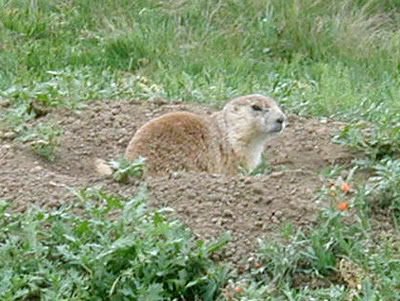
(238, 289)
(345, 187)
(342, 206)
(258, 265)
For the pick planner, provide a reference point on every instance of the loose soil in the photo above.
(250, 207)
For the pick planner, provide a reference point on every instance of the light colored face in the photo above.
(259, 112)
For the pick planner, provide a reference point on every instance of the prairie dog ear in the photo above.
(234, 108)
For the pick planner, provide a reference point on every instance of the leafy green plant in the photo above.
(43, 140)
(263, 168)
(377, 142)
(317, 255)
(93, 254)
(124, 169)
(386, 184)
(310, 253)
(381, 146)
(16, 118)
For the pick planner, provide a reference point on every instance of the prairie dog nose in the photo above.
(280, 123)
(280, 119)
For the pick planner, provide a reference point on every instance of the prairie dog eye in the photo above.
(256, 108)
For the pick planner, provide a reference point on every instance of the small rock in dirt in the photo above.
(5, 103)
(276, 175)
(122, 141)
(213, 197)
(6, 146)
(248, 181)
(36, 169)
(275, 220)
(215, 220)
(258, 188)
(236, 195)
(176, 175)
(216, 257)
(259, 223)
(228, 213)
(250, 259)
(9, 135)
(102, 167)
(267, 201)
(96, 109)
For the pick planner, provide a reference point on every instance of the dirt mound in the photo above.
(249, 206)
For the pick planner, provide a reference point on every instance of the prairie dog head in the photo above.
(254, 117)
(248, 122)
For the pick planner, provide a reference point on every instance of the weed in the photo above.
(43, 140)
(377, 142)
(139, 255)
(124, 169)
(386, 184)
(262, 168)
(334, 259)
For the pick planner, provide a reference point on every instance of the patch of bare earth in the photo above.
(250, 207)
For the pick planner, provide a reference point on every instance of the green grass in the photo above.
(203, 51)
(319, 58)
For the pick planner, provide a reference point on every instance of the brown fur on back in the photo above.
(174, 141)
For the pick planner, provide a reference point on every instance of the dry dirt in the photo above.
(250, 207)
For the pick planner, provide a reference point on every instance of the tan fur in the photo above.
(219, 143)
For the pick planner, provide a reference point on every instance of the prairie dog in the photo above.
(221, 143)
